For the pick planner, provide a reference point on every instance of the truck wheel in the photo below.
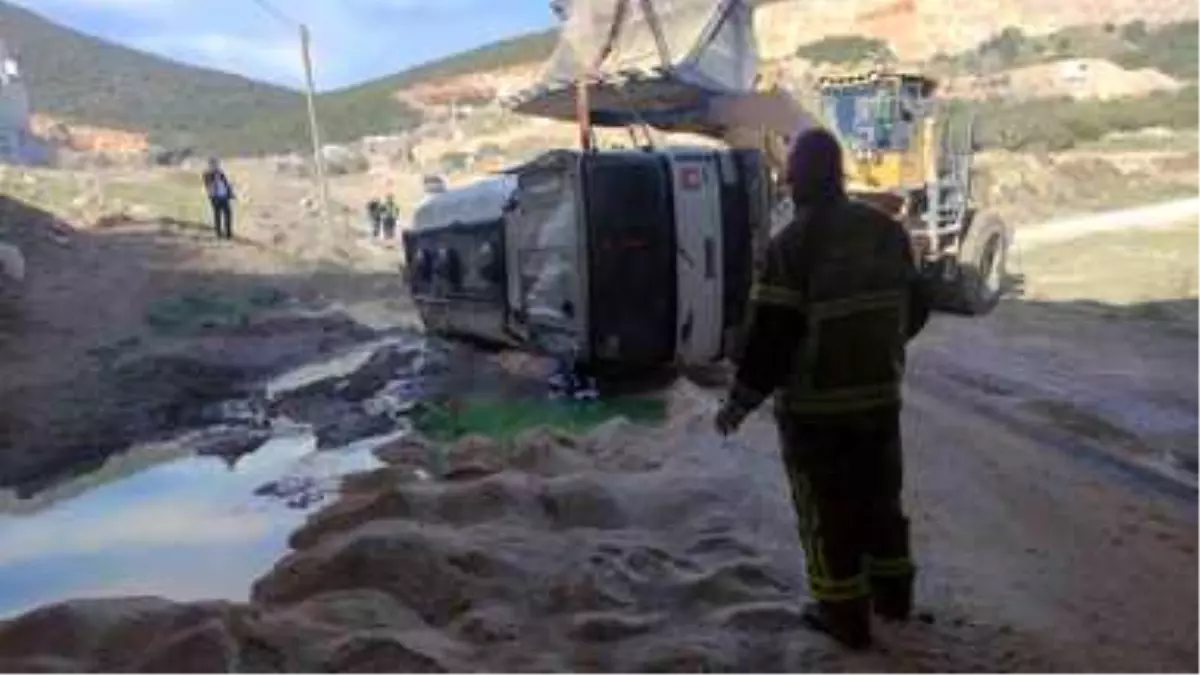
(982, 268)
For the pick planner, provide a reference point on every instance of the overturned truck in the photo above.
(625, 259)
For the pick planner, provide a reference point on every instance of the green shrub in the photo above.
(455, 161)
(1135, 31)
(1059, 124)
(194, 311)
(840, 49)
(504, 420)
(1007, 46)
(1173, 49)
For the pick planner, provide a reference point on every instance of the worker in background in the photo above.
(390, 214)
(835, 305)
(221, 196)
(375, 217)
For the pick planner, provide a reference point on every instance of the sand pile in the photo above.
(624, 549)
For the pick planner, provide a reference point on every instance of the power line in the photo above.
(275, 12)
(310, 96)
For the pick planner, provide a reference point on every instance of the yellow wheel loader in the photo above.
(910, 154)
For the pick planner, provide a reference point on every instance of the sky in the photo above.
(352, 40)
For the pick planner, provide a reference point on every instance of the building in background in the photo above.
(18, 145)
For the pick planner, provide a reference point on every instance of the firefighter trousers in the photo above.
(846, 475)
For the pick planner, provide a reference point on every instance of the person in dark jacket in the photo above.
(375, 216)
(832, 312)
(220, 196)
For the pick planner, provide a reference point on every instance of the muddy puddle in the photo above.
(203, 515)
(175, 524)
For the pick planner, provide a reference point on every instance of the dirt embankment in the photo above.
(1080, 79)
(1028, 188)
(85, 138)
(130, 324)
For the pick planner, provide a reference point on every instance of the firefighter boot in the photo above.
(892, 596)
(847, 621)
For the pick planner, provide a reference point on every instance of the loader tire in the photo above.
(982, 268)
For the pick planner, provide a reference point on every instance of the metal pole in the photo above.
(583, 113)
(581, 14)
(318, 156)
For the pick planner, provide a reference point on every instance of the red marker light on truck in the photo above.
(690, 177)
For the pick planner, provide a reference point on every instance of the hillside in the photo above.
(78, 78)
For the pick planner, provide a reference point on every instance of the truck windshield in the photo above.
(868, 117)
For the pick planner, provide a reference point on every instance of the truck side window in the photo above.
(453, 269)
(489, 264)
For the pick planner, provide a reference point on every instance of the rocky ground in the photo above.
(127, 325)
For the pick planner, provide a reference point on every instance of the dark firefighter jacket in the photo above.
(835, 305)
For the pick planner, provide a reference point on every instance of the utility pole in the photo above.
(318, 155)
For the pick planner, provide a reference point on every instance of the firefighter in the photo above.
(837, 301)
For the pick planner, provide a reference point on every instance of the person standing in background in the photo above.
(390, 214)
(375, 215)
(221, 196)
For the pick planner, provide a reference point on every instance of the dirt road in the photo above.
(1143, 217)
(1074, 446)
(1051, 462)
(1025, 535)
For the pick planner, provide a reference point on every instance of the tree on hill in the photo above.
(1172, 49)
(845, 49)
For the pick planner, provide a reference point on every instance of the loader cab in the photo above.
(883, 120)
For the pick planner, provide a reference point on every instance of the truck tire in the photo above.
(982, 268)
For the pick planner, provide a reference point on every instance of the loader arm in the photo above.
(676, 66)
(761, 120)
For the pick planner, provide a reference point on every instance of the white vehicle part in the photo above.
(696, 180)
(545, 276)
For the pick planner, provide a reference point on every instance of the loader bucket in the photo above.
(655, 62)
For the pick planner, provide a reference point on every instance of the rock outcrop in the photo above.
(87, 138)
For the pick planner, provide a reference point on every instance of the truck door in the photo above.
(697, 198)
(546, 280)
(515, 322)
